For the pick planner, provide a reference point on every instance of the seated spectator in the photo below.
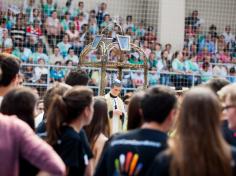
(228, 36)
(137, 79)
(220, 70)
(193, 20)
(34, 32)
(178, 63)
(18, 32)
(53, 28)
(80, 22)
(150, 35)
(224, 57)
(28, 73)
(71, 56)
(65, 22)
(152, 61)
(106, 21)
(6, 43)
(48, 8)
(135, 58)
(157, 51)
(208, 43)
(3, 26)
(64, 46)
(153, 78)
(79, 10)
(36, 16)
(140, 31)
(168, 47)
(146, 49)
(22, 52)
(203, 54)
(39, 54)
(93, 28)
(101, 13)
(213, 31)
(57, 73)
(56, 56)
(221, 44)
(40, 72)
(129, 23)
(232, 75)
(206, 72)
(191, 65)
(164, 65)
(72, 32)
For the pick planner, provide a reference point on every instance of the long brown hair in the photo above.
(99, 123)
(65, 109)
(198, 139)
(134, 116)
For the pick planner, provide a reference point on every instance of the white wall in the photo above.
(218, 12)
(171, 22)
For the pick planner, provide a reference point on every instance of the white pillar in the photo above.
(171, 23)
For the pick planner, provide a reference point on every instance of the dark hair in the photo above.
(10, 67)
(20, 101)
(99, 123)
(215, 84)
(134, 117)
(66, 108)
(157, 103)
(56, 89)
(77, 77)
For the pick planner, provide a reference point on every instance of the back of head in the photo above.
(56, 89)
(66, 108)
(77, 78)
(228, 92)
(157, 103)
(99, 123)
(134, 116)
(20, 101)
(10, 67)
(216, 84)
(198, 134)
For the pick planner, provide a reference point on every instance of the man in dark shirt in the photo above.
(132, 153)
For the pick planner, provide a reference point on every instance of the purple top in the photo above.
(18, 139)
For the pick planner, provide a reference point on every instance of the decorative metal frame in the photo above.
(121, 63)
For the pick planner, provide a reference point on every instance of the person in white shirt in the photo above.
(229, 37)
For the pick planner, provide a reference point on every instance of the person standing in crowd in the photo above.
(10, 67)
(198, 140)
(20, 140)
(116, 108)
(216, 84)
(228, 97)
(131, 153)
(21, 101)
(98, 130)
(66, 116)
(135, 118)
(56, 89)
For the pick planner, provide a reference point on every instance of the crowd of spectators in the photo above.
(32, 31)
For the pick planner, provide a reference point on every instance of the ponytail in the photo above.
(55, 118)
